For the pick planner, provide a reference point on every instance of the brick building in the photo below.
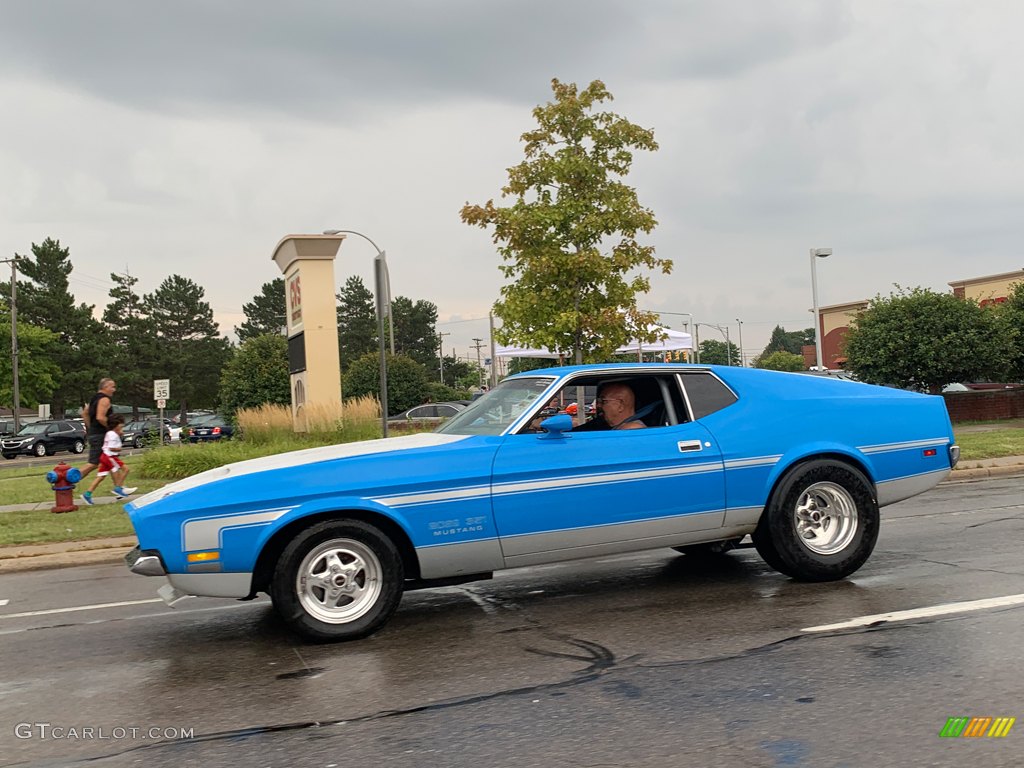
(836, 318)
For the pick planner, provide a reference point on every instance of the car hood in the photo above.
(306, 456)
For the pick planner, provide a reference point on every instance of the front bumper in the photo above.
(145, 562)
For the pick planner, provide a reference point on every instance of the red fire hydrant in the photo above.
(63, 478)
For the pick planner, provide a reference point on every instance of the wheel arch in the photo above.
(275, 545)
(785, 469)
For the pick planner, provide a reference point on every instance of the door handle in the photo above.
(686, 446)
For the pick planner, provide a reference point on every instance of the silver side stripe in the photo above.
(935, 442)
(762, 461)
(431, 497)
(607, 525)
(552, 483)
(577, 481)
(208, 533)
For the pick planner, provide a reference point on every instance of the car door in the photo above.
(587, 493)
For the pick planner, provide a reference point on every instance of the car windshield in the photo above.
(493, 413)
(33, 429)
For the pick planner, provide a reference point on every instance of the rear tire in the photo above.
(821, 523)
(338, 580)
(78, 447)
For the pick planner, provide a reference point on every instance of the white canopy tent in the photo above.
(673, 341)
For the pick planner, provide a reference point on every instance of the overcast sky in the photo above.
(189, 137)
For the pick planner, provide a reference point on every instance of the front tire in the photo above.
(338, 580)
(821, 523)
(39, 450)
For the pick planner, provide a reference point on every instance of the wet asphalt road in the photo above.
(654, 659)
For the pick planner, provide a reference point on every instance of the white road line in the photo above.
(919, 613)
(78, 608)
(3, 603)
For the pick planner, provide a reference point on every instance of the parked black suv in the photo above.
(45, 438)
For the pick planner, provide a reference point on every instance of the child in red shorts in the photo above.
(110, 461)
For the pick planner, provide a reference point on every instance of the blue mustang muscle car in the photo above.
(336, 534)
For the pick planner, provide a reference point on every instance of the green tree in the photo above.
(920, 339)
(416, 329)
(265, 313)
(357, 321)
(569, 239)
(191, 352)
(1012, 326)
(780, 360)
(134, 345)
(407, 381)
(456, 372)
(714, 352)
(37, 372)
(45, 301)
(788, 341)
(257, 374)
(526, 364)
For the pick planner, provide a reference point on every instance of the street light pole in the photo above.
(817, 253)
(725, 334)
(382, 287)
(440, 351)
(743, 363)
(15, 393)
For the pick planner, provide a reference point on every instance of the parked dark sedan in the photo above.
(207, 428)
(45, 438)
(138, 434)
(428, 413)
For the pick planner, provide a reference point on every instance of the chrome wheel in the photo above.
(826, 518)
(339, 581)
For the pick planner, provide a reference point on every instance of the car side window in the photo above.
(446, 410)
(423, 412)
(706, 393)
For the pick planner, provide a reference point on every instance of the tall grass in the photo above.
(268, 430)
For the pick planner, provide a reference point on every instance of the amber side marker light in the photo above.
(202, 557)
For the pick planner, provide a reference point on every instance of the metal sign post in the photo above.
(161, 393)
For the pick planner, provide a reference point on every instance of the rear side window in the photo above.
(706, 393)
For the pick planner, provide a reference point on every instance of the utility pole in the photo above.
(742, 363)
(480, 368)
(16, 395)
(440, 351)
(494, 358)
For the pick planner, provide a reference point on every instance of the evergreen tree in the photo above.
(45, 301)
(357, 322)
(416, 329)
(788, 341)
(190, 351)
(265, 313)
(134, 352)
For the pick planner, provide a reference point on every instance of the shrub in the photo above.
(407, 380)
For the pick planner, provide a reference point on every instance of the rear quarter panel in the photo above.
(783, 419)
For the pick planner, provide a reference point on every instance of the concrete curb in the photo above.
(65, 554)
